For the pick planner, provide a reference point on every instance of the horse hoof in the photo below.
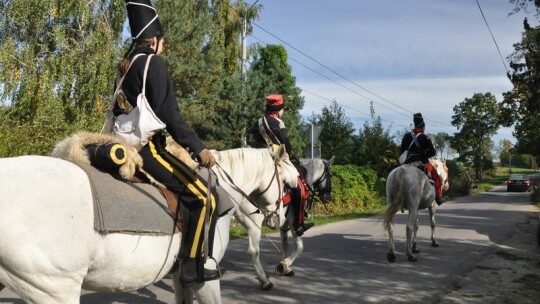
(412, 258)
(290, 273)
(267, 286)
(415, 248)
(434, 244)
(280, 270)
(391, 257)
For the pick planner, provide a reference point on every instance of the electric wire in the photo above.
(341, 85)
(492, 37)
(347, 79)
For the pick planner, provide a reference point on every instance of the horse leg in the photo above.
(391, 255)
(282, 268)
(413, 215)
(414, 244)
(251, 224)
(208, 292)
(181, 295)
(432, 224)
(298, 249)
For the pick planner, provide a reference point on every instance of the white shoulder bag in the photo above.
(141, 123)
(108, 126)
(404, 155)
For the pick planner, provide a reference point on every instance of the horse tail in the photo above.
(396, 198)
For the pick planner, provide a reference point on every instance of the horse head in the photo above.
(319, 177)
(442, 170)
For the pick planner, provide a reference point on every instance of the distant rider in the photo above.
(420, 151)
(270, 131)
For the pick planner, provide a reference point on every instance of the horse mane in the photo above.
(233, 161)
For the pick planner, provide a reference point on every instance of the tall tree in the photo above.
(477, 119)
(441, 143)
(505, 150)
(57, 67)
(203, 51)
(337, 134)
(375, 147)
(521, 105)
(270, 73)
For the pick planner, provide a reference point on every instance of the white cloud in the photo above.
(434, 98)
(423, 55)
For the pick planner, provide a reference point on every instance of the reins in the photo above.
(270, 184)
(248, 198)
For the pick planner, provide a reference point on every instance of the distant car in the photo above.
(518, 182)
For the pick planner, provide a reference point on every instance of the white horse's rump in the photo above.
(49, 249)
(407, 187)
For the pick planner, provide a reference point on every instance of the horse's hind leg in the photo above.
(432, 224)
(413, 215)
(414, 244)
(391, 255)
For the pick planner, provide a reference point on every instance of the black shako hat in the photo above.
(418, 120)
(143, 19)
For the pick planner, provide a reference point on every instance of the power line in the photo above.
(339, 84)
(493, 37)
(347, 79)
(350, 108)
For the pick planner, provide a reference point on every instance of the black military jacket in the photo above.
(161, 97)
(421, 152)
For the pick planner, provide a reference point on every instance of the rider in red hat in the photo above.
(420, 149)
(270, 131)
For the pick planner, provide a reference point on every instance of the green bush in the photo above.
(354, 190)
(460, 184)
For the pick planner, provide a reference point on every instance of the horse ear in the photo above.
(331, 161)
(281, 153)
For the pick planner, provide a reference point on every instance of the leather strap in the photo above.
(174, 207)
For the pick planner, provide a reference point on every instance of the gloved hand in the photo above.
(206, 159)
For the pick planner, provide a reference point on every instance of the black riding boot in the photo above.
(299, 227)
(193, 271)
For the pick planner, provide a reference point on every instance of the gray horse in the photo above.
(407, 187)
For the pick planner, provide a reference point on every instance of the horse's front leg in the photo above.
(298, 249)
(413, 215)
(432, 224)
(283, 268)
(251, 225)
(207, 292)
(181, 295)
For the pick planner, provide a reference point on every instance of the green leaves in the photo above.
(57, 69)
(477, 119)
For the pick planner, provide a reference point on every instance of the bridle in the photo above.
(322, 187)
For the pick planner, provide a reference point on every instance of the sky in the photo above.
(404, 56)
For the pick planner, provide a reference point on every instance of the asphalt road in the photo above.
(346, 262)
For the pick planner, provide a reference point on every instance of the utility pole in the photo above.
(243, 70)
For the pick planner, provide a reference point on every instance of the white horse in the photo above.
(49, 249)
(318, 177)
(407, 187)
